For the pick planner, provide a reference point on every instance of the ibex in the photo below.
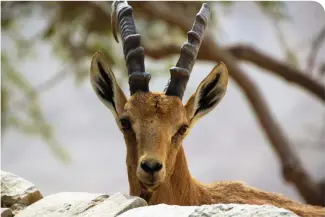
(155, 124)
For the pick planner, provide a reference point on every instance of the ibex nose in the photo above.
(151, 166)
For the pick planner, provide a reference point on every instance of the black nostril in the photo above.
(151, 166)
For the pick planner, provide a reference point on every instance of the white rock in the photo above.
(215, 210)
(6, 212)
(16, 192)
(68, 204)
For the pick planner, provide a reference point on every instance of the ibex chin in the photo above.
(155, 124)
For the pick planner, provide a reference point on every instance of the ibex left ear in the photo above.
(208, 94)
(105, 85)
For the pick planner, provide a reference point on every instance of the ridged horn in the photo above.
(122, 14)
(180, 74)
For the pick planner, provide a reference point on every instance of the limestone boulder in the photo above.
(77, 204)
(215, 210)
(16, 192)
(20, 198)
(6, 212)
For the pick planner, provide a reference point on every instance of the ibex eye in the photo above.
(126, 124)
(182, 130)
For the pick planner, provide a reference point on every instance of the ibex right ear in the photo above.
(208, 94)
(104, 83)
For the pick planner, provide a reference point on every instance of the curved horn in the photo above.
(133, 52)
(180, 74)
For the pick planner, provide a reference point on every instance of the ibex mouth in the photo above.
(145, 194)
(147, 191)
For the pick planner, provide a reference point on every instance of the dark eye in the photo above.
(182, 130)
(126, 124)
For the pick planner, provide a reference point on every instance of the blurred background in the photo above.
(268, 131)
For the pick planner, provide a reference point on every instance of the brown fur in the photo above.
(156, 119)
(179, 188)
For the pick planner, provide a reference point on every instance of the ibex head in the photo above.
(154, 124)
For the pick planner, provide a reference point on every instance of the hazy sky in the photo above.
(227, 144)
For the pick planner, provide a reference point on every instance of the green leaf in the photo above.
(291, 58)
(274, 9)
(6, 23)
(50, 30)
(226, 3)
(60, 152)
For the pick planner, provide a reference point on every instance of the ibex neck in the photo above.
(178, 189)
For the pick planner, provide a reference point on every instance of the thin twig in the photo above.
(41, 88)
(316, 44)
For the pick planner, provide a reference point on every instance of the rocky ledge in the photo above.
(21, 198)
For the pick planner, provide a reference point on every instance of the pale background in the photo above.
(227, 144)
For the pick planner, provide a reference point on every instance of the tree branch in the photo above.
(161, 51)
(248, 53)
(291, 166)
